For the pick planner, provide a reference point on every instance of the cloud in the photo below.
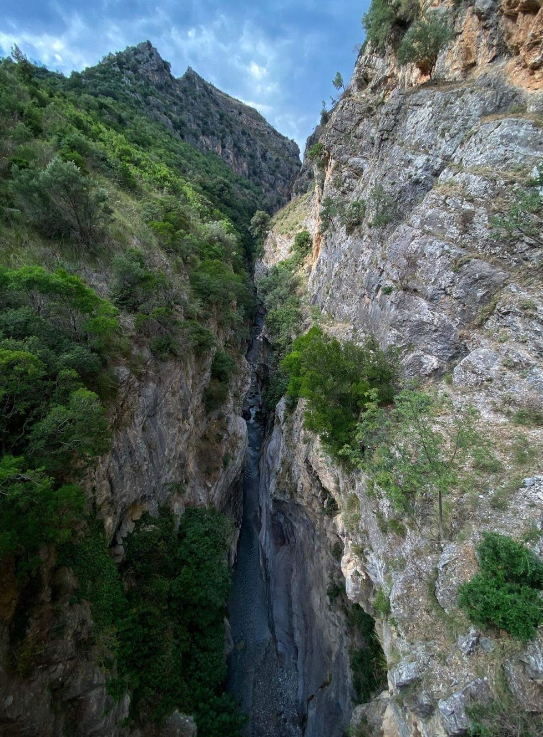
(279, 55)
(257, 71)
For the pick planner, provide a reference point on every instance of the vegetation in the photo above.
(336, 379)
(423, 42)
(302, 245)
(95, 191)
(524, 214)
(162, 615)
(367, 661)
(338, 81)
(383, 206)
(417, 451)
(386, 20)
(504, 717)
(506, 593)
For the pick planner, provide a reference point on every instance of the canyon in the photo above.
(406, 191)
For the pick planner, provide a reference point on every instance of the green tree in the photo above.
(33, 511)
(336, 379)
(416, 450)
(423, 42)
(338, 81)
(61, 201)
(260, 224)
(70, 435)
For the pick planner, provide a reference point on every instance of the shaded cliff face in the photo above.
(210, 120)
(416, 176)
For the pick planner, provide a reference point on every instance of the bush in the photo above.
(302, 245)
(423, 42)
(367, 660)
(384, 207)
(386, 19)
(336, 379)
(506, 593)
(62, 201)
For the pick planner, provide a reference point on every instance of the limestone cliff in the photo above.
(419, 263)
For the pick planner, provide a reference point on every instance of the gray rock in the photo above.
(467, 643)
(487, 644)
(453, 710)
(405, 673)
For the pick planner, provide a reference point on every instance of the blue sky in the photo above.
(276, 55)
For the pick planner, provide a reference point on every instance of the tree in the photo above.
(423, 42)
(33, 511)
(260, 224)
(70, 434)
(417, 450)
(336, 379)
(338, 82)
(61, 201)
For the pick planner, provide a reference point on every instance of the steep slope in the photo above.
(205, 117)
(125, 305)
(426, 222)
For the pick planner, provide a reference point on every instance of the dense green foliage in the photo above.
(387, 19)
(507, 591)
(162, 615)
(55, 338)
(418, 450)
(302, 245)
(423, 42)
(336, 379)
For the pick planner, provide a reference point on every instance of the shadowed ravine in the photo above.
(265, 683)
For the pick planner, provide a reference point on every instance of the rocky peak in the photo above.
(208, 119)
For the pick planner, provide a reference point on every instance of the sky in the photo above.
(278, 56)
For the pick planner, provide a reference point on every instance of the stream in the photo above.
(265, 682)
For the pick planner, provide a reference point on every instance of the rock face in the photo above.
(210, 120)
(433, 164)
(297, 541)
(164, 448)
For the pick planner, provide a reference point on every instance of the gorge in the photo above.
(366, 458)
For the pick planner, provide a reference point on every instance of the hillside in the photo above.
(200, 114)
(125, 307)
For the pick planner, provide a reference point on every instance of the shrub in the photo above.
(367, 660)
(354, 215)
(302, 245)
(62, 201)
(336, 379)
(506, 592)
(381, 603)
(415, 451)
(423, 42)
(386, 18)
(384, 207)
(316, 153)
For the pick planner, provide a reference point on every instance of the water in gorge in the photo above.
(264, 681)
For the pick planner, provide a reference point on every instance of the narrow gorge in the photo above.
(272, 430)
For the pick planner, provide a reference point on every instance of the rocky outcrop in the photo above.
(433, 165)
(208, 119)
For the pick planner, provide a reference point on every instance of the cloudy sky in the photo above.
(280, 56)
